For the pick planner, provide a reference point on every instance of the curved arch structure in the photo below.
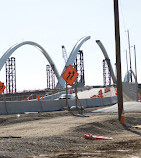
(70, 61)
(127, 88)
(107, 57)
(9, 52)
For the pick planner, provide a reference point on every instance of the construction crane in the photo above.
(64, 53)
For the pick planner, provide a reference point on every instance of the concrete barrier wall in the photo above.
(107, 101)
(3, 109)
(23, 106)
(15, 107)
(94, 102)
(81, 102)
(113, 100)
(53, 105)
(130, 89)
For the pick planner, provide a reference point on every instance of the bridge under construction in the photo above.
(129, 88)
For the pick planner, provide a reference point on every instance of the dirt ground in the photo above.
(60, 135)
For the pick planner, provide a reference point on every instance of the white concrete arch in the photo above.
(9, 52)
(127, 77)
(72, 57)
(107, 57)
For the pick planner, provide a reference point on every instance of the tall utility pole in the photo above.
(127, 60)
(129, 54)
(127, 64)
(135, 62)
(118, 60)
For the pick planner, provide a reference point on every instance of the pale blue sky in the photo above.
(53, 23)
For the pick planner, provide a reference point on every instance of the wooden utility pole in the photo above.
(118, 60)
(67, 102)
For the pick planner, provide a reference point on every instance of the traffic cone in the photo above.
(38, 97)
(122, 119)
(101, 95)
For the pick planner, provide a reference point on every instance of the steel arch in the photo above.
(106, 57)
(9, 52)
(70, 61)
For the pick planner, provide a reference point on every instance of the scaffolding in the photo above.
(106, 72)
(79, 62)
(50, 77)
(10, 75)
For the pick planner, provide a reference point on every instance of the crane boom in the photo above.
(64, 53)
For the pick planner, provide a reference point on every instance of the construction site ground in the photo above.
(60, 135)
